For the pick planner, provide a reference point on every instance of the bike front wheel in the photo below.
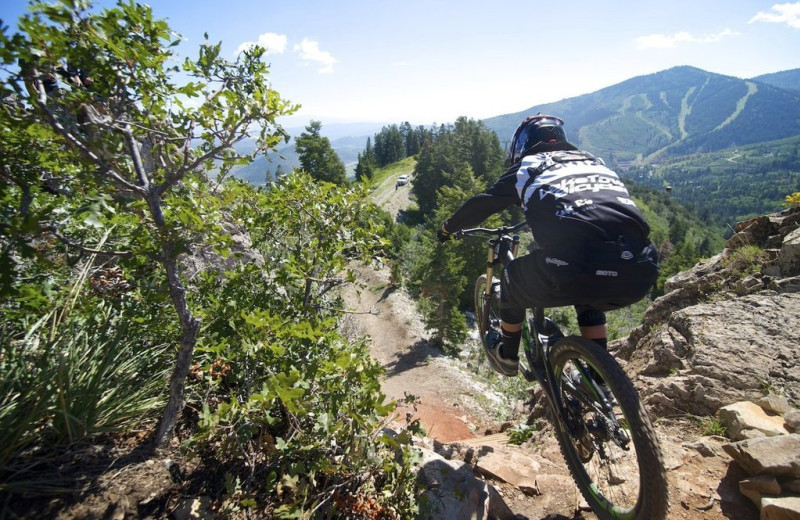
(609, 444)
(487, 310)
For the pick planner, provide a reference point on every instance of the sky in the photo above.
(432, 61)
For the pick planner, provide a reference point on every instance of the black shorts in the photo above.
(602, 275)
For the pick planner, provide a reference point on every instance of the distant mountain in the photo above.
(730, 185)
(679, 111)
(787, 80)
(336, 131)
(347, 140)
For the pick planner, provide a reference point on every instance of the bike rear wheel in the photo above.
(487, 312)
(611, 449)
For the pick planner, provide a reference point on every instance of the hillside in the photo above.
(680, 111)
(787, 80)
(729, 185)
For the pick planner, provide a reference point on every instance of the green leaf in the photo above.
(92, 220)
(281, 444)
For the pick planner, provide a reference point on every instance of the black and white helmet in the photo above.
(543, 130)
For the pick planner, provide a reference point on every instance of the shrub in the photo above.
(293, 409)
(746, 260)
(712, 426)
(70, 378)
(289, 408)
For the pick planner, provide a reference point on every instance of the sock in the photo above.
(510, 347)
(603, 342)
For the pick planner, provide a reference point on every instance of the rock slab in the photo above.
(779, 456)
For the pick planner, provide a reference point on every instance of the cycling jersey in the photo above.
(568, 197)
(593, 241)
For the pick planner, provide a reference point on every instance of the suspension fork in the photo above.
(530, 337)
(499, 249)
(487, 287)
(514, 247)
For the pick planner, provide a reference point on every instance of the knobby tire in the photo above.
(617, 484)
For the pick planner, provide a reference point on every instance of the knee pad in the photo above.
(589, 316)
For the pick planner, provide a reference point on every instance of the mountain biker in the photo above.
(592, 246)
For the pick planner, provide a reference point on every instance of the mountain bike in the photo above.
(603, 430)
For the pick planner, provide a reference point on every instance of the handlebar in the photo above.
(502, 230)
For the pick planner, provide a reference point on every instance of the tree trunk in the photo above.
(190, 327)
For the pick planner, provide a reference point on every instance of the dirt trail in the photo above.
(454, 408)
(446, 405)
(446, 397)
(391, 197)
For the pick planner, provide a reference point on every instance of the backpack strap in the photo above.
(554, 159)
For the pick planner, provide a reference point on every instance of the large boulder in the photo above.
(746, 419)
(779, 456)
(721, 333)
(709, 355)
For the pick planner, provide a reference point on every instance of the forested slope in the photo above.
(731, 185)
(676, 112)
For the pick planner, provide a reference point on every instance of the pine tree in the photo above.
(390, 145)
(365, 168)
(317, 157)
(445, 278)
(412, 139)
(444, 154)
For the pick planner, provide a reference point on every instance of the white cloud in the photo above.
(309, 51)
(669, 41)
(273, 43)
(781, 13)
